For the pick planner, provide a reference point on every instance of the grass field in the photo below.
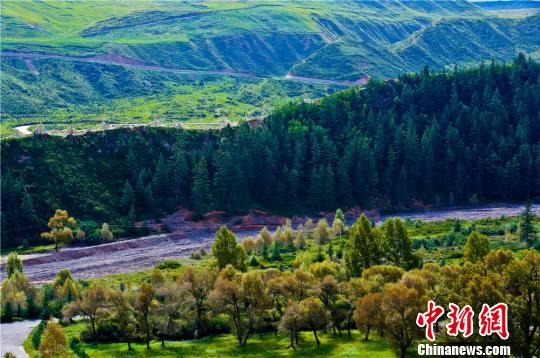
(265, 345)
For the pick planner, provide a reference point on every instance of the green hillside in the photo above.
(452, 138)
(331, 40)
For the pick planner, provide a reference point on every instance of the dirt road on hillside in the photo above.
(146, 252)
(111, 59)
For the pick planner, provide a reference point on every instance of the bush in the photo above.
(36, 336)
(169, 264)
(75, 345)
(105, 333)
(253, 261)
(512, 227)
(219, 324)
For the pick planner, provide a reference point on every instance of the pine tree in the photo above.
(27, 207)
(149, 202)
(328, 187)
(128, 197)
(330, 250)
(229, 185)
(276, 251)
(160, 181)
(526, 227)
(13, 264)
(201, 196)
(315, 190)
(179, 172)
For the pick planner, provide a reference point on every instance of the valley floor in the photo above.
(146, 252)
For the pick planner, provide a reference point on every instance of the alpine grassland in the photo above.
(81, 64)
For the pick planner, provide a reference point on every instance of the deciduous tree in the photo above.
(316, 316)
(227, 251)
(477, 247)
(60, 228)
(363, 248)
(53, 342)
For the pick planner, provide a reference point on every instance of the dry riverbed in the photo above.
(146, 252)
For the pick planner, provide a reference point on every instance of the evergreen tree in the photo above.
(526, 227)
(276, 251)
(161, 182)
(13, 264)
(149, 202)
(128, 197)
(229, 185)
(201, 196)
(27, 207)
(179, 170)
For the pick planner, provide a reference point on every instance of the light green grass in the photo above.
(29, 250)
(265, 345)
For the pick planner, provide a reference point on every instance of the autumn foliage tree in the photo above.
(401, 305)
(292, 322)
(316, 316)
(241, 296)
(368, 313)
(144, 304)
(53, 341)
(90, 306)
(60, 225)
(13, 264)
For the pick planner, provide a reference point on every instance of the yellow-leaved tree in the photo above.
(53, 342)
(60, 226)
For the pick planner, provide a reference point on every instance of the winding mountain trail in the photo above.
(110, 59)
(186, 237)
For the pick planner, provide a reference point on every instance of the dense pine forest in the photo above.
(449, 138)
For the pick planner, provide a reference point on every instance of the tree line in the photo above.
(453, 137)
(377, 285)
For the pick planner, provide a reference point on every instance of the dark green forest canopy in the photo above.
(445, 138)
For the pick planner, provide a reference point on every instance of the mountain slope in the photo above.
(332, 40)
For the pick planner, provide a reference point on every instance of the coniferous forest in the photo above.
(448, 138)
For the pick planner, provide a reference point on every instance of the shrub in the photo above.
(36, 336)
(253, 261)
(75, 345)
(105, 333)
(196, 255)
(169, 264)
